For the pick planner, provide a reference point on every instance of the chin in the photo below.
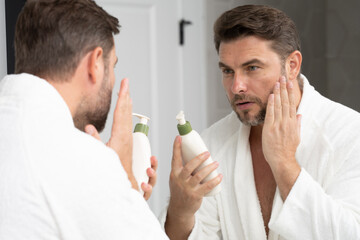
(250, 120)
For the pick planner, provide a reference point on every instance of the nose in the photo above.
(239, 84)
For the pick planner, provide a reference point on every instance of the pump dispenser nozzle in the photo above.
(184, 127)
(142, 126)
(181, 118)
(143, 119)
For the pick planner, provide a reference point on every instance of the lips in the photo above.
(243, 105)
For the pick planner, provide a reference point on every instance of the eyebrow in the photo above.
(223, 65)
(250, 62)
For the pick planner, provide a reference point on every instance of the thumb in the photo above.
(91, 130)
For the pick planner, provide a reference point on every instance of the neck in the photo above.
(256, 133)
(298, 91)
(68, 93)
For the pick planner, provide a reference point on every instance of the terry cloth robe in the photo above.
(324, 202)
(57, 182)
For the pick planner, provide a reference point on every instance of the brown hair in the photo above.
(261, 21)
(52, 36)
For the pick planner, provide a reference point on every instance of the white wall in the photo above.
(192, 64)
(3, 62)
(217, 103)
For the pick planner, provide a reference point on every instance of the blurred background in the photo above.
(169, 73)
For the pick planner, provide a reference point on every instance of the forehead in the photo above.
(246, 48)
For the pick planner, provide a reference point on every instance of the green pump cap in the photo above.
(184, 127)
(142, 126)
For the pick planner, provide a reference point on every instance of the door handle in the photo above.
(182, 24)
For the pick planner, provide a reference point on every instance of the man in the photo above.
(57, 182)
(280, 180)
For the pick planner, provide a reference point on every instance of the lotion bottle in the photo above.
(191, 146)
(141, 151)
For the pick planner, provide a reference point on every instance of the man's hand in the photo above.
(281, 136)
(121, 133)
(187, 191)
(151, 172)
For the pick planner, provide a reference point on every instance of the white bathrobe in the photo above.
(324, 202)
(57, 182)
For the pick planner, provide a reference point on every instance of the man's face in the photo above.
(250, 69)
(94, 110)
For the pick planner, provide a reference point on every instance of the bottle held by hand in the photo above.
(191, 146)
(141, 151)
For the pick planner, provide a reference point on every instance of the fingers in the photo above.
(123, 109)
(203, 173)
(176, 162)
(121, 132)
(211, 184)
(190, 167)
(147, 188)
(269, 117)
(154, 163)
(284, 105)
(284, 98)
(91, 130)
(124, 87)
(277, 102)
(292, 103)
(151, 172)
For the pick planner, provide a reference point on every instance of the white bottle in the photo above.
(191, 146)
(141, 151)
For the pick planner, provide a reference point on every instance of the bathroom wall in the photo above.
(343, 51)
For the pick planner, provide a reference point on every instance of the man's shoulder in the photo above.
(333, 115)
(335, 123)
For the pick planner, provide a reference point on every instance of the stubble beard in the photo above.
(259, 118)
(244, 116)
(95, 115)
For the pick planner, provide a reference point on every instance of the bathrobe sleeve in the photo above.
(207, 223)
(312, 211)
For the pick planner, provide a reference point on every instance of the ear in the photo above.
(96, 65)
(293, 64)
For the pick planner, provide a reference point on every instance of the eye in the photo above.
(227, 71)
(252, 68)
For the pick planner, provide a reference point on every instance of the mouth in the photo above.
(243, 105)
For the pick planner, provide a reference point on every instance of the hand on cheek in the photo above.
(281, 134)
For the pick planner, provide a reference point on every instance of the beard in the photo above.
(259, 117)
(95, 114)
(244, 116)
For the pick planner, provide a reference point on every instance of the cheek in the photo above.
(227, 84)
(112, 78)
(267, 90)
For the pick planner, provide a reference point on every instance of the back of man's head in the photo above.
(52, 36)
